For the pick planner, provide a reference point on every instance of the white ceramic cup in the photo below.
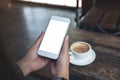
(80, 45)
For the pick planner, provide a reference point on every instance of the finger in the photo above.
(38, 41)
(65, 45)
(53, 68)
(64, 52)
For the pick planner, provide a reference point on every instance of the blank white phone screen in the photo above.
(54, 36)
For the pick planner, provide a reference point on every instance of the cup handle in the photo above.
(70, 53)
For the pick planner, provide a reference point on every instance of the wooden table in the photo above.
(17, 36)
(107, 63)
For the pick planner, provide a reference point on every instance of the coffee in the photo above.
(80, 47)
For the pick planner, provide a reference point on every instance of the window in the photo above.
(69, 3)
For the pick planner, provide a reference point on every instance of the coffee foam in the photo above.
(80, 47)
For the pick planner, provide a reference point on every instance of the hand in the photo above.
(31, 61)
(61, 67)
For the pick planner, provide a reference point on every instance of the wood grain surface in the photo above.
(107, 63)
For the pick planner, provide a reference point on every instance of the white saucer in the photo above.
(82, 62)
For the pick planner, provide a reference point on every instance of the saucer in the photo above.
(82, 62)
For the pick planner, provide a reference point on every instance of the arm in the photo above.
(31, 61)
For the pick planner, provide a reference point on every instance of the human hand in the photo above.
(61, 67)
(31, 61)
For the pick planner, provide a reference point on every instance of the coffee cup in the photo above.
(80, 49)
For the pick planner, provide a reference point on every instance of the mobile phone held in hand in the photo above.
(54, 37)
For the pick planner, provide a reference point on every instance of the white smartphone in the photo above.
(54, 37)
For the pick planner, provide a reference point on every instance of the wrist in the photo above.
(25, 68)
(60, 78)
(64, 74)
(17, 72)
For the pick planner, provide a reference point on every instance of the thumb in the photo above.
(53, 68)
(39, 40)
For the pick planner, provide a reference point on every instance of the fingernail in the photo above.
(67, 36)
(42, 32)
